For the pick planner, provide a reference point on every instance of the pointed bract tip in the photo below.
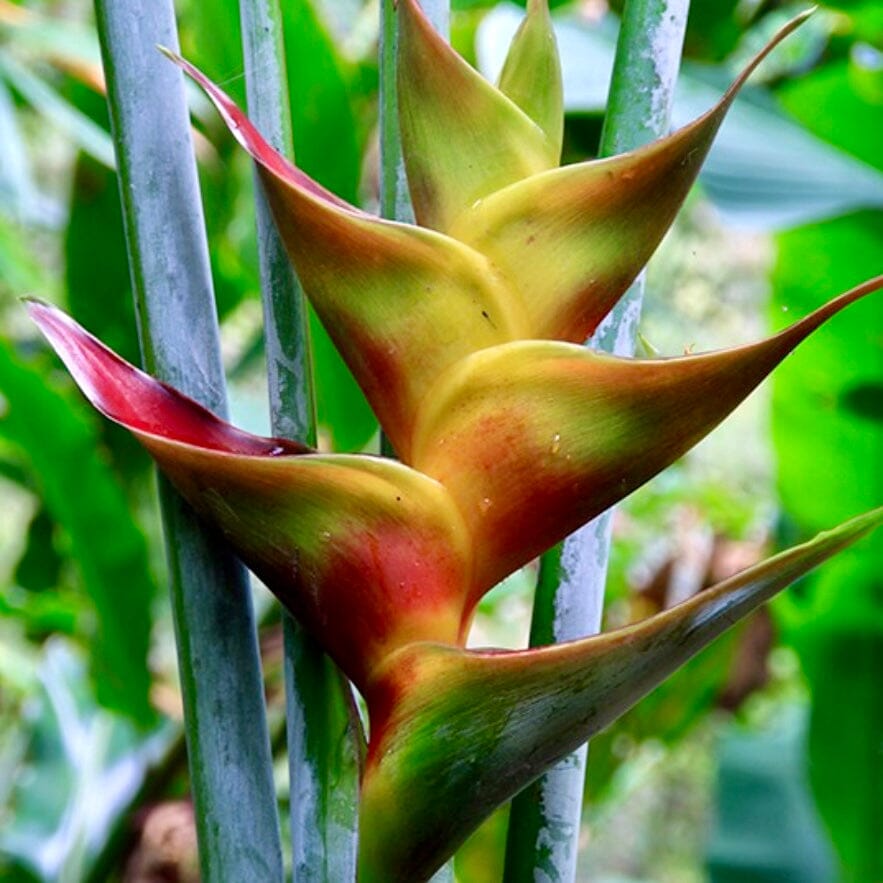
(248, 136)
(788, 28)
(141, 403)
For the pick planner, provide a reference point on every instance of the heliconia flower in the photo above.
(519, 250)
(464, 335)
(384, 563)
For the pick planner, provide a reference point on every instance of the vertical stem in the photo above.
(323, 731)
(545, 818)
(394, 199)
(227, 740)
(645, 71)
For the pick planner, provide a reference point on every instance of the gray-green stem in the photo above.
(545, 818)
(226, 728)
(323, 728)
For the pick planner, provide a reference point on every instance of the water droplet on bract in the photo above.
(785, 309)
(325, 536)
(485, 505)
(275, 452)
(556, 443)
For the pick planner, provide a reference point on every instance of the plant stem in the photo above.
(324, 734)
(225, 718)
(544, 822)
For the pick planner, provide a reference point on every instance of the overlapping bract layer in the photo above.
(522, 443)
(463, 333)
(368, 554)
(518, 249)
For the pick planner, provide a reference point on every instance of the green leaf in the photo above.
(17, 189)
(766, 829)
(328, 147)
(837, 636)
(39, 567)
(99, 292)
(72, 751)
(327, 135)
(21, 267)
(344, 414)
(841, 378)
(842, 663)
(832, 108)
(60, 441)
(456, 733)
(53, 107)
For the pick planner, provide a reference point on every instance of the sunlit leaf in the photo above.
(91, 138)
(837, 635)
(59, 440)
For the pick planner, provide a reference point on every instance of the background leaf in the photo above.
(57, 438)
(827, 465)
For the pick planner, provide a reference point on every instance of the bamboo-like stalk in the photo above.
(324, 733)
(544, 821)
(227, 739)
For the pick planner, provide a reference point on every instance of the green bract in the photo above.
(465, 332)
